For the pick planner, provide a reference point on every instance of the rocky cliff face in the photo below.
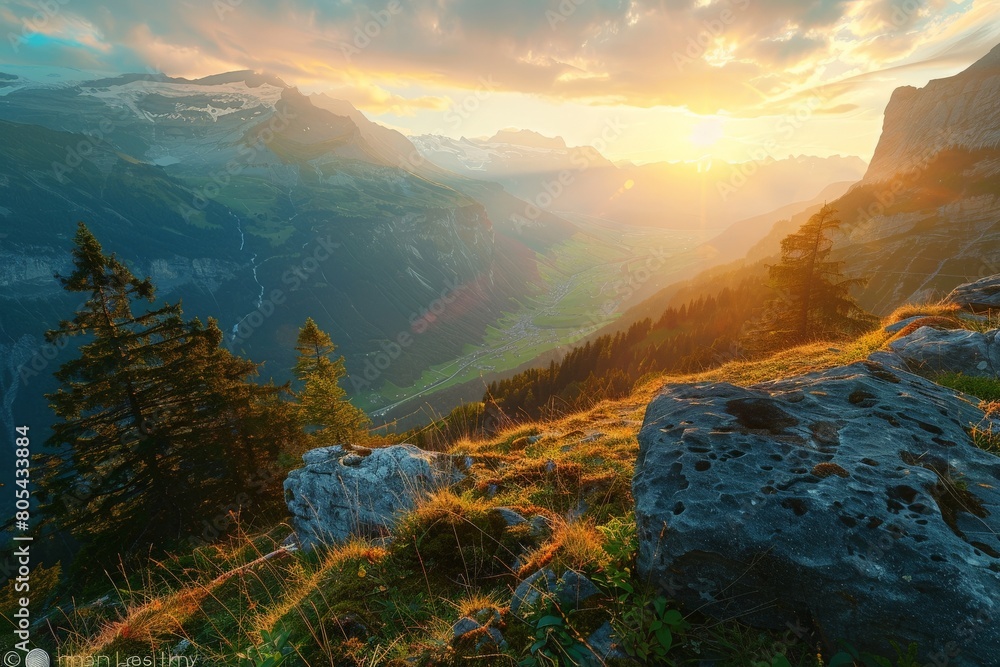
(962, 111)
(926, 216)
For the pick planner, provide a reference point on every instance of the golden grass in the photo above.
(476, 602)
(445, 504)
(149, 622)
(938, 309)
(575, 544)
(308, 582)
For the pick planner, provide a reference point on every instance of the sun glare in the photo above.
(707, 132)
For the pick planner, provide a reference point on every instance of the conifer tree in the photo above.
(158, 426)
(324, 408)
(814, 298)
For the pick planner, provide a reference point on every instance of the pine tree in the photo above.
(158, 426)
(814, 298)
(324, 408)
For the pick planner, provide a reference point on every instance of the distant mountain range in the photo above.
(260, 206)
(683, 195)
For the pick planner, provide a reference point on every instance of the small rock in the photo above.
(896, 327)
(550, 466)
(577, 512)
(529, 591)
(492, 636)
(930, 351)
(350, 626)
(977, 296)
(540, 527)
(340, 492)
(488, 616)
(510, 516)
(532, 439)
(604, 643)
(574, 588)
(464, 626)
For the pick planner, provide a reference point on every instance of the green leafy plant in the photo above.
(555, 643)
(647, 629)
(644, 624)
(272, 652)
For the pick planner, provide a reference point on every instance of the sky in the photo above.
(641, 80)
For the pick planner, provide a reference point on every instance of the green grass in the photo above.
(983, 388)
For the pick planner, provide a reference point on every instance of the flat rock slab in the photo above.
(928, 351)
(978, 296)
(850, 500)
(343, 492)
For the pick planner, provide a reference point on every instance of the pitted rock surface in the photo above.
(343, 492)
(852, 500)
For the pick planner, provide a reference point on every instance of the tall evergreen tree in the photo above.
(324, 408)
(158, 426)
(814, 297)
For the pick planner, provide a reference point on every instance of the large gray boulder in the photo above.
(850, 501)
(929, 351)
(978, 296)
(347, 491)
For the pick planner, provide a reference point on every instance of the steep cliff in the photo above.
(959, 112)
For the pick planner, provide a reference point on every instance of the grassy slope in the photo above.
(365, 603)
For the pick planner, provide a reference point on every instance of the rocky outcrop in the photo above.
(977, 296)
(851, 503)
(962, 111)
(347, 491)
(930, 351)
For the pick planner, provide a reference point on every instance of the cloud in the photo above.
(377, 100)
(731, 56)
